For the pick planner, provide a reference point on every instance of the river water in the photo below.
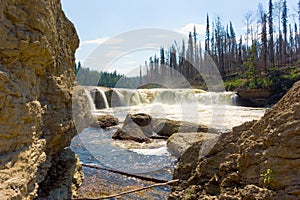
(95, 146)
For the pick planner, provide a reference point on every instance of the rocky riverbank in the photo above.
(37, 50)
(257, 160)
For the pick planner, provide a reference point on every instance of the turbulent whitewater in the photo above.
(216, 110)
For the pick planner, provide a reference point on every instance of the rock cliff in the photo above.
(257, 160)
(37, 51)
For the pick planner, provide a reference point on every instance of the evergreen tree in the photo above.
(233, 48)
(207, 34)
(250, 64)
(297, 42)
(271, 41)
(292, 45)
(284, 26)
(190, 57)
(264, 43)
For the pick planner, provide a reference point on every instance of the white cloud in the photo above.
(107, 40)
(200, 29)
(95, 41)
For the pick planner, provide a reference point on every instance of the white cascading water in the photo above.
(91, 100)
(214, 109)
(102, 93)
(129, 97)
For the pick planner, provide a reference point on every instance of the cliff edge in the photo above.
(257, 160)
(37, 50)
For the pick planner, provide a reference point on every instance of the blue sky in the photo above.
(98, 20)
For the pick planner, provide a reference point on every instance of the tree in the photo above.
(233, 49)
(264, 43)
(271, 41)
(248, 17)
(240, 49)
(292, 45)
(260, 13)
(297, 42)
(277, 11)
(207, 34)
(77, 68)
(250, 64)
(163, 68)
(196, 50)
(299, 12)
(284, 26)
(141, 76)
(190, 57)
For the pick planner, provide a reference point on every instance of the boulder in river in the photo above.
(141, 127)
(105, 121)
(167, 127)
(131, 129)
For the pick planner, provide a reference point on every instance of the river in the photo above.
(95, 146)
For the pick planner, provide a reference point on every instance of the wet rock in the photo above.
(141, 119)
(105, 121)
(139, 127)
(178, 143)
(113, 98)
(167, 127)
(239, 158)
(133, 129)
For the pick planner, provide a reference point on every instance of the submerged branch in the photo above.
(155, 180)
(134, 190)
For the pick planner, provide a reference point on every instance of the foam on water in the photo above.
(216, 110)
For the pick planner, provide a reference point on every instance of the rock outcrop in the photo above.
(178, 143)
(257, 160)
(167, 127)
(141, 127)
(255, 97)
(135, 128)
(37, 51)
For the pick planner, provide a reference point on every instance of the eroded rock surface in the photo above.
(178, 143)
(234, 167)
(37, 51)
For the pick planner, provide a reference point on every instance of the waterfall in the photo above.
(101, 100)
(90, 100)
(130, 97)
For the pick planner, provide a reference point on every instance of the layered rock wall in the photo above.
(257, 160)
(37, 51)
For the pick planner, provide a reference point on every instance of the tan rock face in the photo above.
(237, 166)
(36, 78)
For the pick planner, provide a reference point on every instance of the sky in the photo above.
(115, 21)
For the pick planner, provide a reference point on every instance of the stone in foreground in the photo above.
(178, 143)
(237, 165)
